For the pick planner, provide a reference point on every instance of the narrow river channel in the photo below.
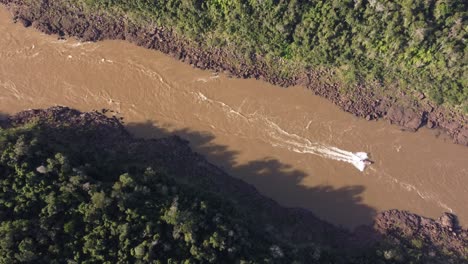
(294, 147)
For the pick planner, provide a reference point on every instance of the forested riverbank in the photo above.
(412, 74)
(416, 44)
(77, 187)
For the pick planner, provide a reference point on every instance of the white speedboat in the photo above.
(361, 160)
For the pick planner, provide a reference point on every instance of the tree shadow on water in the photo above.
(3, 119)
(273, 178)
(403, 232)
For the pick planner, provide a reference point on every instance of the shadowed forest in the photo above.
(77, 187)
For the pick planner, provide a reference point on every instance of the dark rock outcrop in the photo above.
(443, 233)
(405, 117)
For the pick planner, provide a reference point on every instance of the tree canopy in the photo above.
(61, 205)
(419, 45)
(76, 188)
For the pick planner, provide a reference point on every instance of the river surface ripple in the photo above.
(294, 147)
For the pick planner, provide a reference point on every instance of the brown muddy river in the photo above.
(294, 147)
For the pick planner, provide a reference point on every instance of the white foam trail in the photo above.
(229, 110)
(278, 137)
(299, 144)
(10, 88)
(205, 80)
(427, 196)
(150, 73)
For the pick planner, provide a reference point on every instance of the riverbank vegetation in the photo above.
(415, 45)
(76, 188)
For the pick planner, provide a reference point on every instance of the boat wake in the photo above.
(278, 137)
(299, 144)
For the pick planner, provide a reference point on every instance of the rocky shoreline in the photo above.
(294, 225)
(410, 111)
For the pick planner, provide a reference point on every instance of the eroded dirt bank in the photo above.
(408, 111)
(400, 228)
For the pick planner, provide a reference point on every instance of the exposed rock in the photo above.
(451, 125)
(430, 124)
(421, 96)
(41, 169)
(404, 117)
(448, 220)
(462, 137)
(25, 22)
(395, 223)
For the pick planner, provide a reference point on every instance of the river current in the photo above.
(294, 147)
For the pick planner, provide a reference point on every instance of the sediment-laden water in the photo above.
(294, 147)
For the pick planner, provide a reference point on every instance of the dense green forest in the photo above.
(62, 204)
(78, 194)
(411, 44)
